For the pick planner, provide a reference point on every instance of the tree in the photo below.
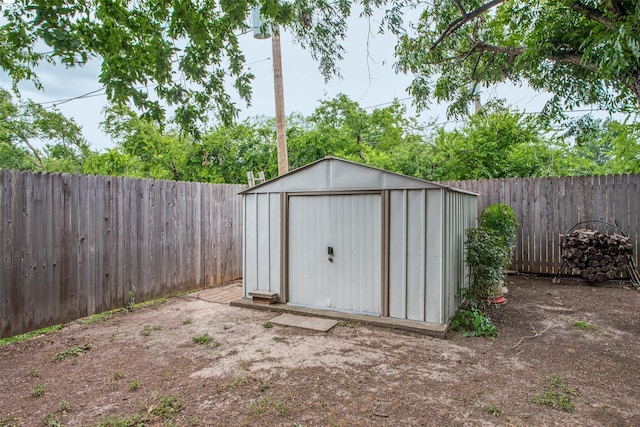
(25, 125)
(581, 51)
(184, 52)
(495, 143)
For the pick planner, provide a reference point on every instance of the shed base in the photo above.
(438, 331)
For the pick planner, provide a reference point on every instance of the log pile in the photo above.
(595, 256)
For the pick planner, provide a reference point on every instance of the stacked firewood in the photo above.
(595, 256)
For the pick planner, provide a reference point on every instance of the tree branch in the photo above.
(566, 57)
(466, 17)
(593, 14)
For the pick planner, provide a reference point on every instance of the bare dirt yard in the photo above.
(566, 354)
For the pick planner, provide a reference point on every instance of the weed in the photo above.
(33, 373)
(132, 299)
(148, 330)
(10, 421)
(225, 327)
(38, 390)
(201, 339)
(65, 406)
(238, 381)
(116, 421)
(585, 326)
(187, 321)
(167, 407)
(29, 335)
(267, 325)
(51, 420)
(474, 322)
(117, 375)
(556, 395)
(490, 409)
(265, 403)
(263, 387)
(277, 338)
(112, 338)
(134, 385)
(75, 351)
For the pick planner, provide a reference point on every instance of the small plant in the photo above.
(267, 325)
(265, 403)
(490, 409)
(96, 318)
(202, 339)
(117, 375)
(72, 352)
(187, 321)
(51, 420)
(38, 390)
(131, 305)
(134, 385)
(556, 395)
(585, 326)
(167, 407)
(112, 338)
(148, 330)
(65, 406)
(263, 387)
(225, 326)
(10, 421)
(474, 322)
(33, 373)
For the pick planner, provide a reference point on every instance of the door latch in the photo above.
(330, 253)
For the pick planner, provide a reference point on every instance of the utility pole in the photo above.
(278, 89)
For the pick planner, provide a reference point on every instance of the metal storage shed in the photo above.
(345, 237)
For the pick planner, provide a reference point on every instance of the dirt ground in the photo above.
(144, 368)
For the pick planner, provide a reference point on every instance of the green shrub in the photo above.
(485, 255)
(474, 322)
(501, 219)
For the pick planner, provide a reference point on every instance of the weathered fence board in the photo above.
(548, 207)
(77, 245)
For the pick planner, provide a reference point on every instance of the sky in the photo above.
(368, 77)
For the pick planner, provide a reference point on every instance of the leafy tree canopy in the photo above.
(581, 51)
(25, 126)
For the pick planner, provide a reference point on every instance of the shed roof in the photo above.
(335, 174)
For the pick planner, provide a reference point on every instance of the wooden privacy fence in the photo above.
(548, 207)
(75, 245)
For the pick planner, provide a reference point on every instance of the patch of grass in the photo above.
(117, 421)
(148, 330)
(134, 385)
(10, 421)
(267, 325)
(38, 390)
(267, 403)
(97, 318)
(29, 335)
(32, 373)
(492, 410)
(238, 381)
(585, 326)
(112, 337)
(225, 327)
(117, 375)
(72, 352)
(556, 395)
(187, 321)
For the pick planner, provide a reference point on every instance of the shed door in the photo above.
(350, 227)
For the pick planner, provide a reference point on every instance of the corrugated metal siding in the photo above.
(261, 266)
(460, 214)
(351, 225)
(415, 254)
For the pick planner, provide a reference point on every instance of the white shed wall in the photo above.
(261, 256)
(460, 214)
(415, 254)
